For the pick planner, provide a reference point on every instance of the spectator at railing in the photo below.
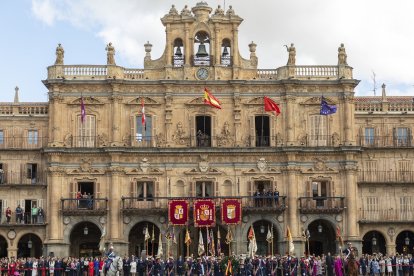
(8, 215)
(19, 214)
(276, 197)
(35, 212)
(89, 201)
(41, 215)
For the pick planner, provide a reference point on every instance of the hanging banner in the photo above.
(178, 212)
(204, 213)
(231, 211)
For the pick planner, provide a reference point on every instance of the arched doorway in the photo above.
(29, 245)
(322, 238)
(264, 232)
(220, 245)
(3, 247)
(84, 240)
(404, 243)
(137, 242)
(373, 242)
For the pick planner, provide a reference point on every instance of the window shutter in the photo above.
(72, 190)
(98, 190)
(154, 131)
(3, 209)
(5, 173)
(193, 133)
(192, 189)
(252, 136)
(22, 204)
(40, 203)
(216, 189)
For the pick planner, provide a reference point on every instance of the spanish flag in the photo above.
(229, 269)
(339, 236)
(210, 99)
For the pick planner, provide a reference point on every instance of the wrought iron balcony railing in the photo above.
(386, 141)
(84, 206)
(22, 178)
(316, 205)
(386, 215)
(12, 142)
(160, 204)
(386, 177)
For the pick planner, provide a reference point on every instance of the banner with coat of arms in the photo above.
(231, 211)
(178, 212)
(204, 213)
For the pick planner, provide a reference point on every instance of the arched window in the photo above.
(202, 49)
(178, 53)
(226, 58)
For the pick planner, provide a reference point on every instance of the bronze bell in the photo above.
(225, 52)
(178, 52)
(201, 51)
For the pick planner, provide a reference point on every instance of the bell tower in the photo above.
(201, 45)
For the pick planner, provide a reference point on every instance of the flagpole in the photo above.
(207, 238)
(272, 238)
(229, 243)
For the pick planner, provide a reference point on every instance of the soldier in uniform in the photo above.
(110, 256)
(141, 264)
(170, 267)
(180, 266)
(150, 266)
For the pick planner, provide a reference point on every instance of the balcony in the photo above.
(11, 178)
(386, 177)
(84, 207)
(386, 216)
(321, 205)
(385, 142)
(142, 205)
(20, 143)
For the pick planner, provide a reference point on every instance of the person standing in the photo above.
(8, 215)
(35, 211)
(19, 214)
(133, 266)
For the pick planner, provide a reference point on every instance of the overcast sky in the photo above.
(378, 36)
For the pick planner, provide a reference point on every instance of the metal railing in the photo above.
(252, 203)
(82, 206)
(22, 178)
(389, 141)
(12, 142)
(178, 61)
(315, 205)
(386, 176)
(386, 215)
(202, 61)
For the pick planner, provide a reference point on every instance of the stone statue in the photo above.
(230, 11)
(225, 131)
(60, 54)
(110, 54)
(292, 54)
(342, 55)
(186, 11)
(219, 11)
(173, 11)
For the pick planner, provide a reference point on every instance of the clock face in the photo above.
(202, 73)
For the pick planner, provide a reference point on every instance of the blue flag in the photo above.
(327, 109)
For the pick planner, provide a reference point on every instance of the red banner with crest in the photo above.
(178, 212)
(204, 213)
(231, 211)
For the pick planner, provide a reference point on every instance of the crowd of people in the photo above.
(288, 265)
(31, 216)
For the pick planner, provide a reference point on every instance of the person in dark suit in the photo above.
(329, 261)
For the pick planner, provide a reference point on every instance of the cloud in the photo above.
(376, 33)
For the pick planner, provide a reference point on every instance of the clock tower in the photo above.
(201, 44)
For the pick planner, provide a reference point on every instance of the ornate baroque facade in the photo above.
(351, 170)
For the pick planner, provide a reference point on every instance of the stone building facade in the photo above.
(348, 172)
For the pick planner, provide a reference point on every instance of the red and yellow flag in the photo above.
(210, 99)
(339, 236)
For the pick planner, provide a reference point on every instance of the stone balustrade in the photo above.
(316, 71)
(24, 109)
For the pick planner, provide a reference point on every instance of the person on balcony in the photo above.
(78, 198)
(19, 214)
(90, 201)
(1, 176)
(8, 215)
(35, 212)
(276, 197)
(41, 215)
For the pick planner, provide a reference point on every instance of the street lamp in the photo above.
(374, 240)
(262, 229)
(85, 230)
(320, 228)
(30, 243)
(407, 240)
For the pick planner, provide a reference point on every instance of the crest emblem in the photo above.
(231, 211)
(178, 212)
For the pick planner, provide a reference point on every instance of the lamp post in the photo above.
(262, 229)
(320, 228)
(407, 240)
(85, 230)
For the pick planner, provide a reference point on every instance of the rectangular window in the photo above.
(204, 189)
(371, 172)
(402, 136)
(319, 192)
(203, 131)
(143, 133)
(404, 172)
(318, 131)
(145, 190)
(32, 137)
(405, 207)
(371, 207)
(262, 128)
(369, 136)
(31, 172)
(1, 137)
(86, 131)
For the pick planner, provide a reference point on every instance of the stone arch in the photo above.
(137, 242)
(373, 241)
(84, 239)
(130, 222)
(4, 245)
(29, 245)
(226, 188)
(404, 241)
(74, 221)
(180, 187)
(322, 235)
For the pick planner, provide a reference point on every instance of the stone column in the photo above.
(217, 51)
(187, 45)
(53, 204)
(116, 121)
(290, 120)
(115, 204)
(390, 248)
(348, 115)
(351, 201)
(168, 46)
(235, 51)
(292, 198)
